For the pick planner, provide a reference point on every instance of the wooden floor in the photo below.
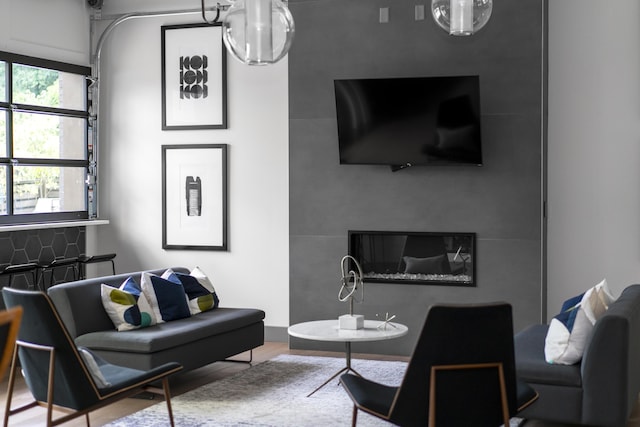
(188, 381)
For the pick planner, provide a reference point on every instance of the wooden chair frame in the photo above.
(12, 316)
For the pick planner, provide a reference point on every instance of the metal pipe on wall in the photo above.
(94, 87)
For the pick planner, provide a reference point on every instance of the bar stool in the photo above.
(29, 267)
(52, 266)
(83, 260)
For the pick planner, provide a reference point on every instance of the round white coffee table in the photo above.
(328, 330)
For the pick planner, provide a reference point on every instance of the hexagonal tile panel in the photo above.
(19, 239)
(72, 251)
(6, 250)
(34, 241)
(19, 247)
(59, 244)
(33, 247)
(19, 257)
(46, 236)
(46, 255)
(72, 234)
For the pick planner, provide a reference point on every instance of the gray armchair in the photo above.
(57, 374)
(461, 373)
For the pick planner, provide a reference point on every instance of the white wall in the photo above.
(254, 272)
(32, 27)
(594, 146)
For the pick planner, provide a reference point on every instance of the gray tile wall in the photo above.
(500, 201)
(19, 247)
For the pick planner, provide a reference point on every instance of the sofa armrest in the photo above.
(610, 373)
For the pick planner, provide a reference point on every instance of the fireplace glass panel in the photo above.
(415, 257)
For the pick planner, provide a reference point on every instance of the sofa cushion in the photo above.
(171, 334)
(167, 297)
(531, 365)
(570, 330)
(127, 306)
(200, 292)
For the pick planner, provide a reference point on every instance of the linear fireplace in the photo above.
(415, 257)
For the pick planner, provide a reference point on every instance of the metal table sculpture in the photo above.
(351, 281)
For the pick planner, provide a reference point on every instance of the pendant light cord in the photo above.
(204, 17)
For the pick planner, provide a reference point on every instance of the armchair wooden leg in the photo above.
(354, 417)
(167, 398)
(50, 386)
(12, 380)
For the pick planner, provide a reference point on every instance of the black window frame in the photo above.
(10, 218)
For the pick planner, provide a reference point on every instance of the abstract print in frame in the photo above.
(194, 77)
(194, 197)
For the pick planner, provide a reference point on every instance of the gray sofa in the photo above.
(603, 388)
(193, 342)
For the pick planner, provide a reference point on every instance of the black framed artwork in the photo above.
(194, 197)
(194, 77)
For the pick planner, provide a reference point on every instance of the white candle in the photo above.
(461, 17)
(258, 30)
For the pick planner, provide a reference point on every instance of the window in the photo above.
(44, 150)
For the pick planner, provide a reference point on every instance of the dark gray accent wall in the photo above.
(500, 201)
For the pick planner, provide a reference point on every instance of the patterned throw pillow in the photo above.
(569, 331)
(127, 306)
(200, 292)
(167, 297)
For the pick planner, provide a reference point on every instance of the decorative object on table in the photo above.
(387, 321)
(351, 280)
(194, 77)
(194, 216)
(461, 17)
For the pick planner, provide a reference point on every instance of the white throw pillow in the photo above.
(570, 331)
(127, 306)
(94, 370)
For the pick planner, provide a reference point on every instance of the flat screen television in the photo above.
(410, 121)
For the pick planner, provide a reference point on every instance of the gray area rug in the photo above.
(272, 394)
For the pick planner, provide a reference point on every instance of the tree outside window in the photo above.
(43, 127)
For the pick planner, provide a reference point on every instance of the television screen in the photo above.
(409, 121)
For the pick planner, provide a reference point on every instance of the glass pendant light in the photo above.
(461, 17)
(258, 32)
